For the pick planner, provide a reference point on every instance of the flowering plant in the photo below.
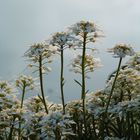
(112, 113)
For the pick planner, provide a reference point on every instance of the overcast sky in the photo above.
(23, 22)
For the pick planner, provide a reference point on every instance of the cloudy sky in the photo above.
(23, 22)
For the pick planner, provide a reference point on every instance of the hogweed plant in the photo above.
(119, 51)
(86, 32)
(62, 40)
(112, 113)
(41, 54)
(25, 83)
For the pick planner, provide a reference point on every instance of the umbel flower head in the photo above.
(91, 63)
(86, 28)
(62, 40)
(121, 50)
(40, 49)
(26, 81)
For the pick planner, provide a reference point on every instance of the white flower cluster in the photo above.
(7, 95)
(123, 108)
(25, 81)
(127, 85)
(88, 29)
(82, 119)
(122, 50)
(83, 26)
(75, 108)
(134, 62)
(63, 40)
(55, 124)
(32, 126)
(40, 49)
(5, 87)
(91, 64)
(34, 104)
(15, 112)
(96, 103)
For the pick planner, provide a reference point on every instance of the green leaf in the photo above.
(78, 82)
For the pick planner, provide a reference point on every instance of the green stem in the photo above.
(23, 94)
(83, 82)
(22, 99)
(62, 79)
(113, 86)
(83, 67)
(41, 83)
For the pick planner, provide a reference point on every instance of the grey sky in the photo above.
(23, 22)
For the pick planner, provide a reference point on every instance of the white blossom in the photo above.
(91, 64)
(87, 28)
(127, 85)
(56, 122)
(95, 103)
(25, 81)
(7, 95)
(75, 108)
(63, 40)
(121, 50)
(40, 49)
(134, 62)
(34, 104)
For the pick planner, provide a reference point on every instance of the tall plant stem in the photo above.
(62, 79)
(23, 94)
(41, 83)
(83, 82)
(113, 86)
(83, 67)
(22, 98)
